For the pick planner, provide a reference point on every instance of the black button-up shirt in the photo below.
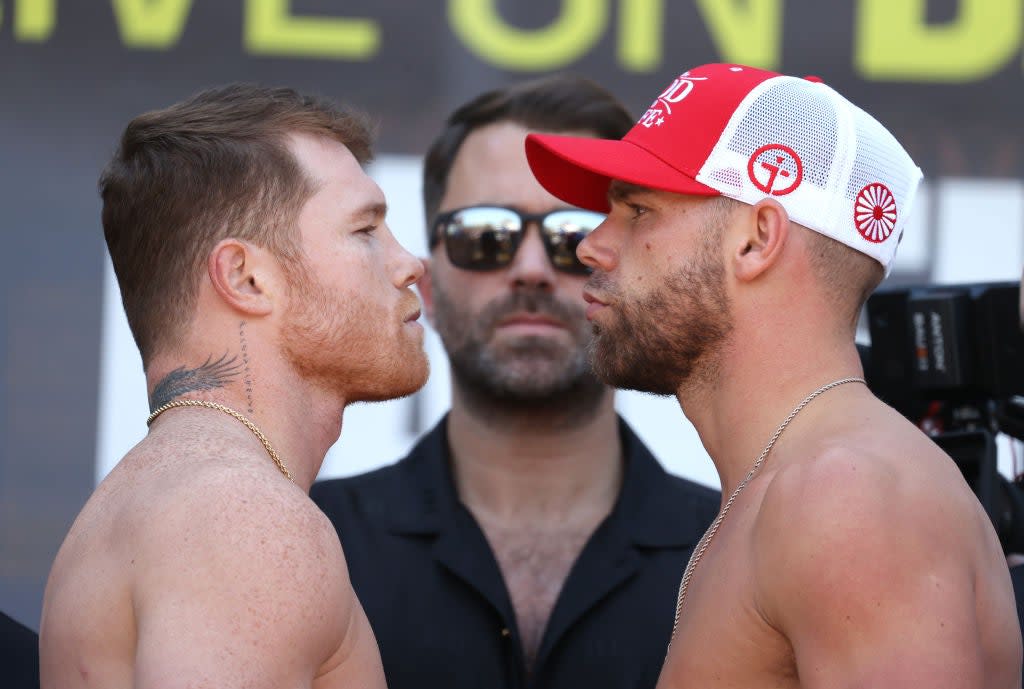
(439, 607)
(19, 655)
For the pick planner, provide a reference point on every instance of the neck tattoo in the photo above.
(705, 540)
(230, 412)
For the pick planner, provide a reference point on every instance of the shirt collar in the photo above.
(654, 508)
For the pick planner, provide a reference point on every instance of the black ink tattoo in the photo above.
(246, 373)
(211, 374)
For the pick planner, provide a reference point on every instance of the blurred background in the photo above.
(945, 76)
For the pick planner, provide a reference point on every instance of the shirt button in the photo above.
(505, 632)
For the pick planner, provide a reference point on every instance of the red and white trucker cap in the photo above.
(748, 134)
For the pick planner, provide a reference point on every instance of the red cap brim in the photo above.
(578, 169)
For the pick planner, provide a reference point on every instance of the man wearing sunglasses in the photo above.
(530, 539)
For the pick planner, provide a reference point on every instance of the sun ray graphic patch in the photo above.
(875, 212)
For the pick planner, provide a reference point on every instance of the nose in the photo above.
(531, 266)
(410, 269)
(595, 251)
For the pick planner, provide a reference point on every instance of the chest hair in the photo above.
(535, 562)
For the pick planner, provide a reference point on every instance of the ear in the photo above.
(426, 288)
(238, 272)
(763, 237)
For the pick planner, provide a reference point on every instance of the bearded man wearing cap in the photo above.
(750, 216)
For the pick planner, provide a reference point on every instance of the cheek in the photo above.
(468, 290)
(353, 295)
(639, 263)
(651, 259)
(367, 272)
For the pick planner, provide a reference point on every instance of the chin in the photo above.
(399, 381)
(418, 374)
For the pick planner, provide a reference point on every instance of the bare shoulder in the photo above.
(242, 565)
(898, 496)
(873, 542)
(889, 477)
(236, 519)
(253, 509)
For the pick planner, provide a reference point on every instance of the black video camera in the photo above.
(951, 359)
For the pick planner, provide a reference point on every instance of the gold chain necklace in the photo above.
(231, 412)
(705, 540)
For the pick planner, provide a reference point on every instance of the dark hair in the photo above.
(848, 276)
(557, 103)
(213, 166)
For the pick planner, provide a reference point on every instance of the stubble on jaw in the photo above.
(530, 376)
(672, 334)
(338, 346)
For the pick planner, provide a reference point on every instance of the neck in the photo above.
(306, 422)
(766, 379)
(515, 467)
(300, 421)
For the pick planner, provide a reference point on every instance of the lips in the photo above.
(594, 304)
(530, 319)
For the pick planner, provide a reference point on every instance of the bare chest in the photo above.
(535, 562)
(725, 643)
(721, 638)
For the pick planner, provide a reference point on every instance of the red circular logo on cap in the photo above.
(775, 169)
(874, 212)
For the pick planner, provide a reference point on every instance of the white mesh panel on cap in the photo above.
(880, 159)
(822, 158)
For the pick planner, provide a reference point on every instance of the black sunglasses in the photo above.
(487, 237)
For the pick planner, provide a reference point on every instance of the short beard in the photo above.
(335, 346)
(309, 327)
(664, 338)
(529, 375)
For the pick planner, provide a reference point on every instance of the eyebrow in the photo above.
(619, 191)
(374, 209)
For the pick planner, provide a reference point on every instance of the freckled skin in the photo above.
(165, 545)
(196, 562)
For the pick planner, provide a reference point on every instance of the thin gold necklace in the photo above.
(227, 410)
(705, 540)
